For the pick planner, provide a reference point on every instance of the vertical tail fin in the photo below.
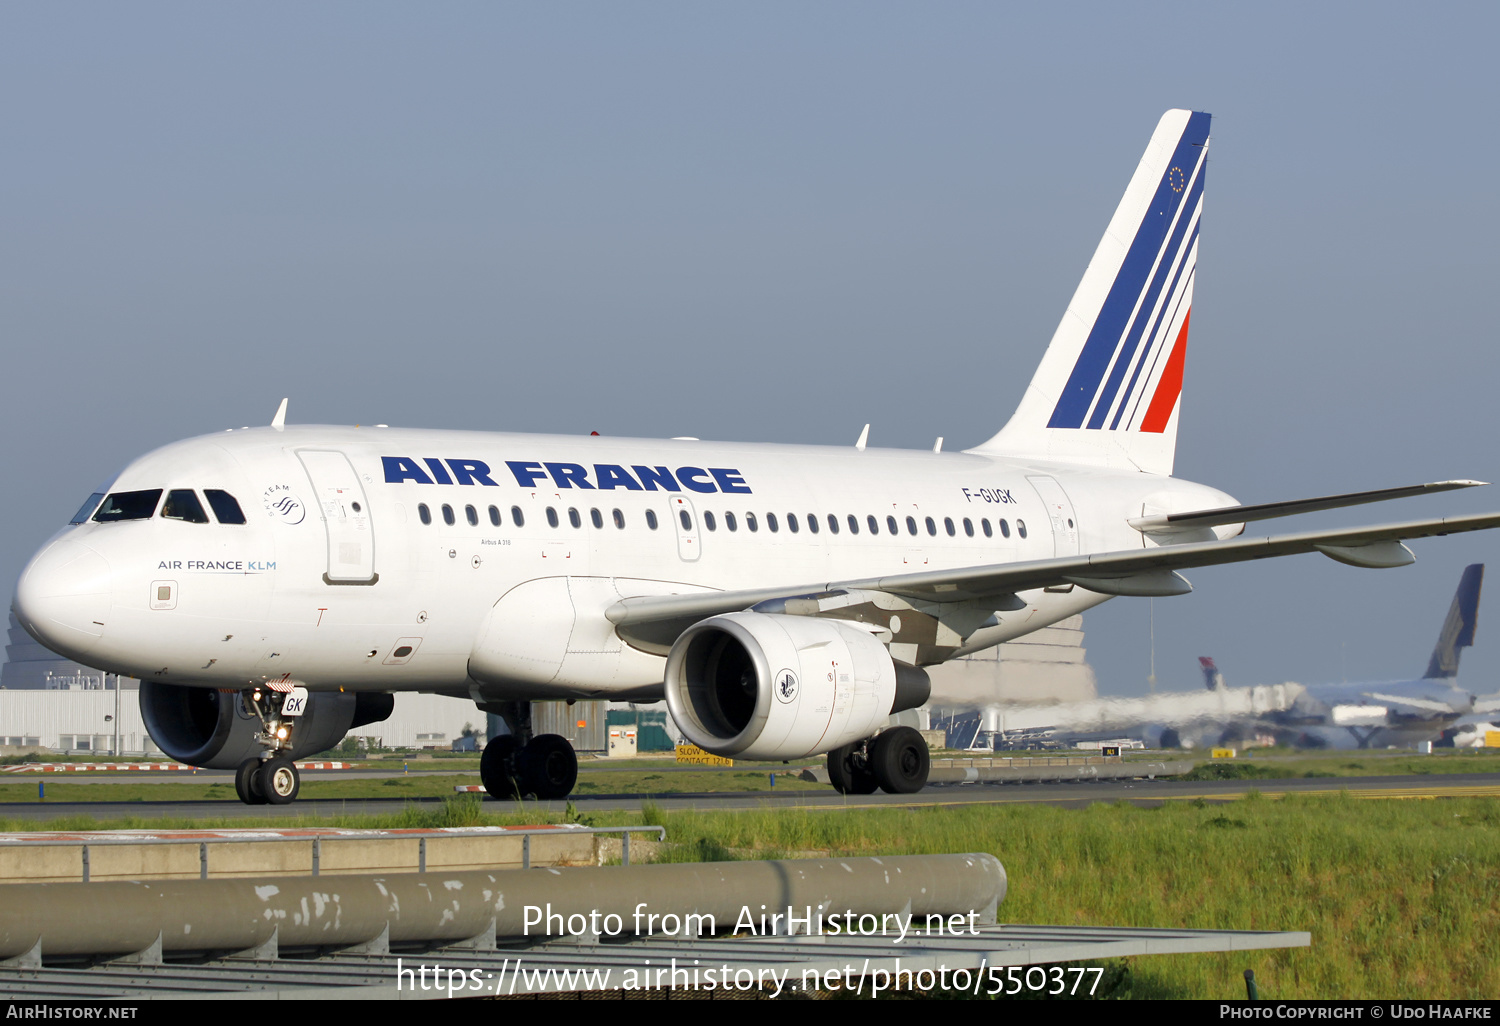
(1107, 390)
(1458, 629)
(1212, 678)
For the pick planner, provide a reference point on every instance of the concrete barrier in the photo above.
(58, 857)
(146, 920)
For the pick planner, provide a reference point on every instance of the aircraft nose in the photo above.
(63, 597)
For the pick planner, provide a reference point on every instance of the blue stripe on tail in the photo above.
(1130, 282)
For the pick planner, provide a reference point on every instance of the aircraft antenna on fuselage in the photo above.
(864, 437)
(279, 421)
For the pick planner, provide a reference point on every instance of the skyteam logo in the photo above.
(281, 503)
(786, 685)
(601, 477)
(1129, 373)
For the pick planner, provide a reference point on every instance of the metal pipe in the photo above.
(119, 918)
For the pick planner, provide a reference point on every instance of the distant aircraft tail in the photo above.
(1458, 629)
(1106, 393)
(1212, 678)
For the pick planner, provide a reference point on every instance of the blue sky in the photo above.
(766, 222)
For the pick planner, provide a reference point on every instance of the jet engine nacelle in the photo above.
(769, 686)
(215, 729)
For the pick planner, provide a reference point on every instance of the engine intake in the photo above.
(212, 728)
(770, 686)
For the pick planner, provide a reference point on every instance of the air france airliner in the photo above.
(273, 587)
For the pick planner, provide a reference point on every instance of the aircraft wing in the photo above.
(1130, 572)
(1417, 706)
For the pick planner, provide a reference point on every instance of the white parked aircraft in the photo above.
(1366, 714)
(273, 586)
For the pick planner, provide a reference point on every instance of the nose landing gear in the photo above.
(272, 777)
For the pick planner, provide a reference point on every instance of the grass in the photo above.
(1402, 897)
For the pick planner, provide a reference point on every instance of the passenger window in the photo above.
(597, 518)
(87, 509)
(574, 517)
(948, 526)
(472, 515)
(968, 527)
(1004, 529)
(1020, 527)
(730, 522)
(833, 524)
(812, 523)
(791, 523)
(518, 518)
(771, 522)
(685, 520)
(911, 525)
(551, 517)
(708, 521)
(932, 527)
(873, 524)
(890, 525)
(128, 506)
(494, 516)
(989, 532)
(620, 520)
(423, 513)
(224, 505)
(751, 523)
(853, 524)
(651, 519)
(183, 504)
(448, 517)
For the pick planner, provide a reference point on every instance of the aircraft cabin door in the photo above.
(1060, 512)
(685, 520)
(346, 517)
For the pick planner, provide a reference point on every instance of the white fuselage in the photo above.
(335, 581)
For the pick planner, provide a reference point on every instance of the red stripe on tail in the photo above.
(1170, 385)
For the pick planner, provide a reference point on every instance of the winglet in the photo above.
(279, 421)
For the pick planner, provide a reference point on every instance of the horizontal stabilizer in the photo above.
(1175, 523)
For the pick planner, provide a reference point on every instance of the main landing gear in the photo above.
(544, 768)
(895, 760)
(270, 778)
(518, 765)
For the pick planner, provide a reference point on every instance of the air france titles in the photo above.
(604, 476)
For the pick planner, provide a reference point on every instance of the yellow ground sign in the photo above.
(1492, 739)
(1223, 753)
(697, 756)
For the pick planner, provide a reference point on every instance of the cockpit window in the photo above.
(225, 506)
(128, 506)
(87, 509)
(183, 504)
